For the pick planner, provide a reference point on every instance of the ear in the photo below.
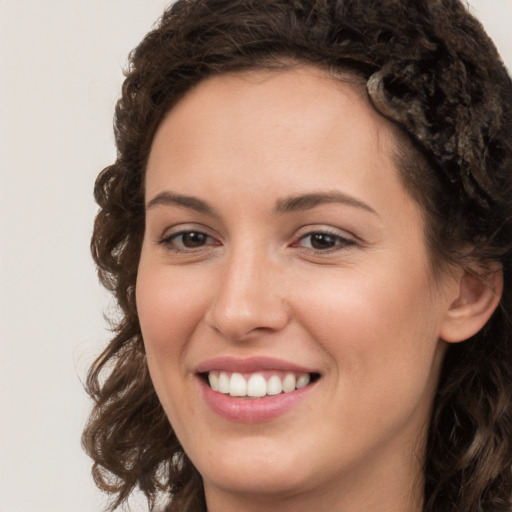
(478, 297)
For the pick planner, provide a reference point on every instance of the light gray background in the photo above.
(60, 74)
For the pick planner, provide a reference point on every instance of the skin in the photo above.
(366, 312)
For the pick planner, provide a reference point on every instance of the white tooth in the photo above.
(237, 385)
(257, 385)
(223, 383)
(214, 381)
(289, 383)
(302, 381)
(274, 386)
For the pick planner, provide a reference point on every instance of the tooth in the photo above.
(274, 386)
(289, 383)
(257, 385)
(223, 383)
(302, 381)
(237, 385)
(214, 381)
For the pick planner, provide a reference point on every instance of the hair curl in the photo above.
(430, 68)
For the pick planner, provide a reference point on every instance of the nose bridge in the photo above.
(248, 297)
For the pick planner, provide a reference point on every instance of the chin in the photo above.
(257, 472)
(257, 482)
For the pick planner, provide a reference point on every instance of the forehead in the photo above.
(305, 91)
(256, 114)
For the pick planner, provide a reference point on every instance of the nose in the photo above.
(249, 297)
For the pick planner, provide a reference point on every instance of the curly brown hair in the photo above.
(430, 68)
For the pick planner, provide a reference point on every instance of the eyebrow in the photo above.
(170, 199)
(295, 203)
(308, 201)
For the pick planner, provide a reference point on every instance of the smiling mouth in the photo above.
(257, 384)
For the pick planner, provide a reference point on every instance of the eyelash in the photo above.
(339, 242)
(169, 241)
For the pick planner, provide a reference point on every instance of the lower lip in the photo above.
(253, 410)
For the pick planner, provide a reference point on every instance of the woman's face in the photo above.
(281, 246)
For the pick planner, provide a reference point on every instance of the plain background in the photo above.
(60, 74)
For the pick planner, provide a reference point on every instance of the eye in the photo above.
(191, 239)
(323, 241)
(187, 240)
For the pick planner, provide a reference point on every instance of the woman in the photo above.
(308, 232)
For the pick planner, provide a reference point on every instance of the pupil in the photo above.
(194, 239)
(322, 241)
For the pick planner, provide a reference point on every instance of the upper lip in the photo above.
(250, 365)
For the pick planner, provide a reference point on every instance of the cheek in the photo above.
(168, 310)
(379, 328)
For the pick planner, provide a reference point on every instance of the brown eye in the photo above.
(190, 239)
(323, 241)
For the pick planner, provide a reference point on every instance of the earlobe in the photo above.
(477, 299)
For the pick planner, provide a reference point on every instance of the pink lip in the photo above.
(252, 364)
(251, 410)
